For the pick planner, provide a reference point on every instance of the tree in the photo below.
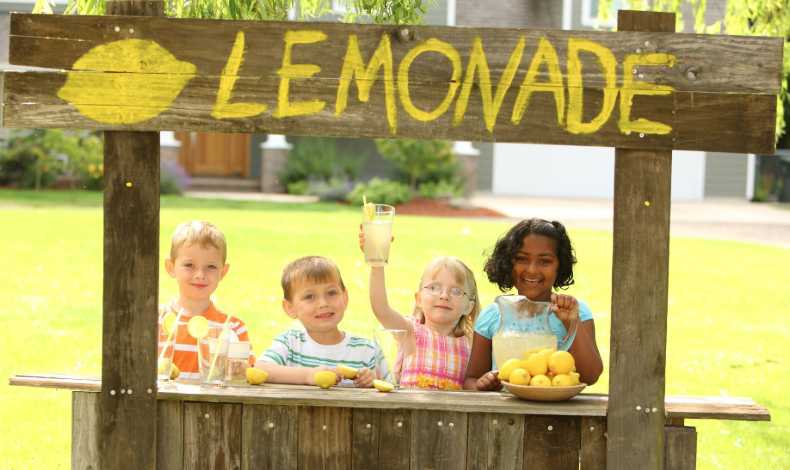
(415, 156)
(741, 18)
(379, 11)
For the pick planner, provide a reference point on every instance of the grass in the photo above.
(727, 307)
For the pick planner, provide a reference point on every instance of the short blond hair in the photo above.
(309, 269)
(464, 276)
(198, 231)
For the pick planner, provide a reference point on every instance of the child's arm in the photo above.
(292, 375)
(364, 378)
(479, 375)
(584, 348)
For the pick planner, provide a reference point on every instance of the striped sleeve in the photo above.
(279, 351)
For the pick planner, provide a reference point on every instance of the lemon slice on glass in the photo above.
(197, 327)
(169, 323)
(368, 211)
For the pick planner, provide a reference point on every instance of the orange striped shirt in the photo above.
(185, 355)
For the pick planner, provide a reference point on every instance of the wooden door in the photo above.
(215, 154)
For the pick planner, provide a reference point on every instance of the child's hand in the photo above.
(364, 378)
(489, 381)
(566, 308)
(315, 370)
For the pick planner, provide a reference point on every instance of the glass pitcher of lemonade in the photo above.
(524, 328)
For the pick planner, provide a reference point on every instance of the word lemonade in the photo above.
(173, 75)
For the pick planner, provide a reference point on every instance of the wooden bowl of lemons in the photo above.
(529, 392)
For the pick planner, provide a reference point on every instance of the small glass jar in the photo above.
(238, 362)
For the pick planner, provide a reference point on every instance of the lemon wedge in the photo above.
(383, 386)
(368, 211)
(325, 379)
(197, 327)
(169, 323)
(348, 372)
(256, 376)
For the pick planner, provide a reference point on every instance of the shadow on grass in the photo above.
(82, 198)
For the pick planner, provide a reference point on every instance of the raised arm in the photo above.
(389, 318)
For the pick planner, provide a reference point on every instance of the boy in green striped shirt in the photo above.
(314, 294)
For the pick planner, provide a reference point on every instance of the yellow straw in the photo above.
(364, 200)
(216, 353)
(170, 335)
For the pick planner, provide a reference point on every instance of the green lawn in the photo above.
(728, 318)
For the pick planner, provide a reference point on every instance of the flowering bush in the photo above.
(172, 178)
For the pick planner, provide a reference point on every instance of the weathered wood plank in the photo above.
(324, 438)
(212, 436)
(640, 275)
(495, 441)
(593, 443)
(586, 404)
(698, 121)
(681, 448)
(438, 439)
(85, 431)
(395, 434)
(269, 437)
(131, 294)
(551, 443)
(753, 63)
(169, 435)
(366, 428)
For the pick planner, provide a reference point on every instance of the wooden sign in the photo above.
(624, 89)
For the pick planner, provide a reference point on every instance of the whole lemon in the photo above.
(535, 365)
(508, 367)
(256, 376)
(547, 352)
(325, 379)
(383, 386)
(561, 362)
(519, 377)
(174, 372)
(562, 380)
(574, 378)
(540, 381)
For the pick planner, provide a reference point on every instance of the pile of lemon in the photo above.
(544, 368)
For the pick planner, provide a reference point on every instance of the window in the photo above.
(590, 13)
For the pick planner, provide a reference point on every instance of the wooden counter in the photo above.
(288, 426)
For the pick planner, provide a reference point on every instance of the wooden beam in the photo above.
(131, 290)
(640, 273)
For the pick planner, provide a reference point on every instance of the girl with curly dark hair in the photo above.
(534, 257)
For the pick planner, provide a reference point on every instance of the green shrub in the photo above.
(380, 191)
(416, 157)
(172, 178)
(441, 190)
(319, 159)
(298, 188)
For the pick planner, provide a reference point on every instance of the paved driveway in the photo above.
(715, 218)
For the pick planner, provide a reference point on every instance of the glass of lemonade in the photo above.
(388, 350)
(213, 356)
(377, 226)
(238, 362)
(166, 347)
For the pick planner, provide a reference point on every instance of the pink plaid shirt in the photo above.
(439, 363)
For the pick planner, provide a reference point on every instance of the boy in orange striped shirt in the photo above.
(197, 262)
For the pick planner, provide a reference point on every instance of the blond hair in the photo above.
(309, 269)
(198, 231)
(464, 276)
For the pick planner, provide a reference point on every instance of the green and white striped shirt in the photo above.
(295, 348)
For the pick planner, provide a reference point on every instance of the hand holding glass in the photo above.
(377, 222)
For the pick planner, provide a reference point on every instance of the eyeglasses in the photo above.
(454, 292)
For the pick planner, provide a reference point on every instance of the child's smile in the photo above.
(535, 268)
(319, 307)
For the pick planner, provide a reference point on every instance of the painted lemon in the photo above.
(197, 327)
(348, 372)
(561, 362)
(540, 381)
(508, 367)
(561, 380)
(383, 386)
(256, 376)
(141, 80)
(519, 377)
(325, 379)
(169, 323)
(174, 372)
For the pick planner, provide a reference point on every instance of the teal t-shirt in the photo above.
(487, 323)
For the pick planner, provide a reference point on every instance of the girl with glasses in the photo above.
(439, 330)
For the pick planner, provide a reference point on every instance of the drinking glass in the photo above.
(377, 226)
(213, 356)
(166, 347)
(238, 362)
(388, 349)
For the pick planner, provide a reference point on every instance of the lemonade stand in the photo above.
(643, 90)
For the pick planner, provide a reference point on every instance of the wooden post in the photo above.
(131, 287)
(640, 271)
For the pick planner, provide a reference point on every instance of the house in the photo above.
(235, 161)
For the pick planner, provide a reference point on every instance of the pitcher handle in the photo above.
(572, 330)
